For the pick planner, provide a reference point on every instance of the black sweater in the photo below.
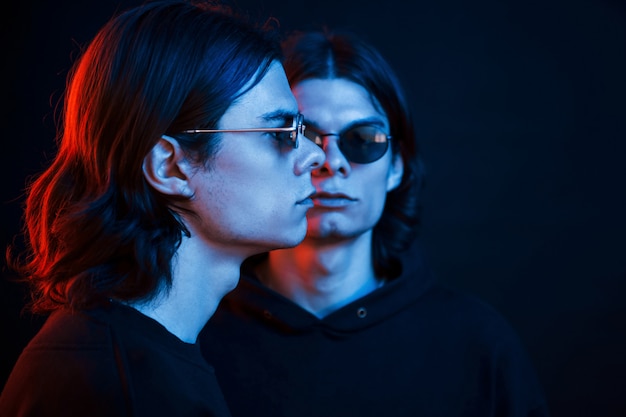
(110, 362)
(410, 348)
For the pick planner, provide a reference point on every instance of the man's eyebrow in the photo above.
(367, 121)
(280, 115)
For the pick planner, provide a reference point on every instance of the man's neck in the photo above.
(322, 276)
(201, 276)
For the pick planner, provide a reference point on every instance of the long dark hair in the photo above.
(94, 228)
(341, 54)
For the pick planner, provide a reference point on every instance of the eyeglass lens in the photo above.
(360, 144)
(291, 136)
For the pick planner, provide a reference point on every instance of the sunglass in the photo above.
(359, 144)
(283, 134)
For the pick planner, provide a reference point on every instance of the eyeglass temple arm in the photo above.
(253, 129)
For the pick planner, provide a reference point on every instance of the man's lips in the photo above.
(326, 199)
(307, 200)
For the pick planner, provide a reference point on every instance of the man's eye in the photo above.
(282, 137)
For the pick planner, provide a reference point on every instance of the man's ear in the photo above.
(166, 169)
(394, 176)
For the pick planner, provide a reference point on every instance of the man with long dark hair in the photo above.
(347, 323)
(180, 154)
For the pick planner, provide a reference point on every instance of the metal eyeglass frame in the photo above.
(296, 129)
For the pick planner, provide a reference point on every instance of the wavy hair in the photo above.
(329, 54)
(94, 228)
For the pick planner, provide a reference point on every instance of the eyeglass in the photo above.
(359, 144)
(283, 134)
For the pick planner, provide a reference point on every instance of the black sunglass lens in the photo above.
(313, 136)
(363, 144)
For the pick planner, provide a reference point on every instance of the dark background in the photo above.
(521, 109)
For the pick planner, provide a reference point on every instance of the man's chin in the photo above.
(326, 233)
